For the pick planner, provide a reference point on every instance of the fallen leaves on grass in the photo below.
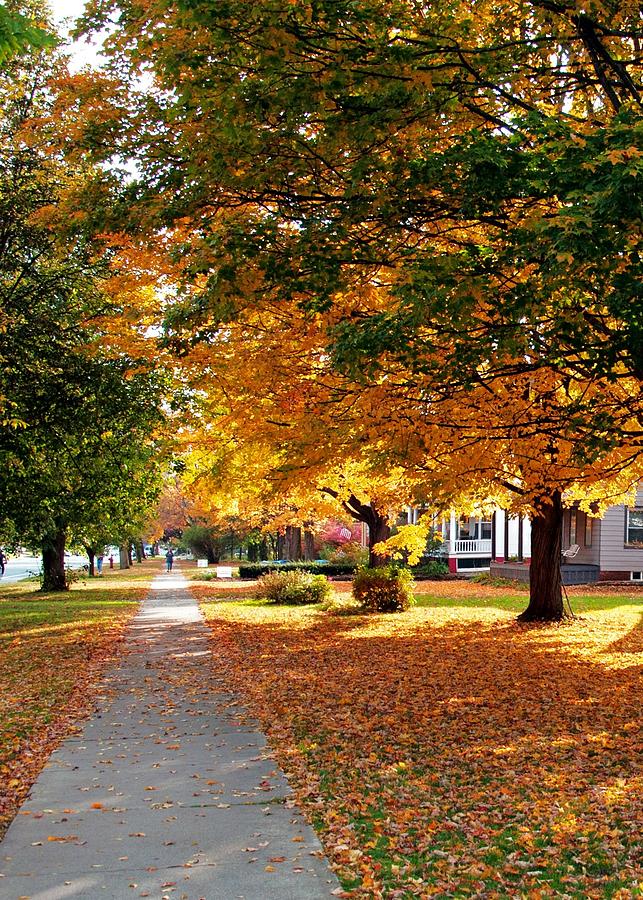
(451, 752)
(52, 651)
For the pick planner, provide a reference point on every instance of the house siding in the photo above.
(615, 557)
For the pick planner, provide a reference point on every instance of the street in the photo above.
(23, 566)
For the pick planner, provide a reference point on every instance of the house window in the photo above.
(588, 531)
(634, 528)
(572, 526)
(485, 529)
(636, 576)
(467, 529)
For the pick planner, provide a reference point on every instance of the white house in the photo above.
(609, 549)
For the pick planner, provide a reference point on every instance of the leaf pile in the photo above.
(451, 752)
(52, 651)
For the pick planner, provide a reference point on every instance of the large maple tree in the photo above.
(454, 189)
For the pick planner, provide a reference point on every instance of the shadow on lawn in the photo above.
(632, 642)
(491, 742)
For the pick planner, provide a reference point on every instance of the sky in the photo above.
(64, 8)
(64, 14)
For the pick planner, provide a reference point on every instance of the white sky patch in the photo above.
(82, 53)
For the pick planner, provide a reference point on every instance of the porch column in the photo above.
(453, 564)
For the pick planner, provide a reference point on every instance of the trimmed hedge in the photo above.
(256, 570)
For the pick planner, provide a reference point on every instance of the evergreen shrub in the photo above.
(386, 589)
(432, 568)
(293, 588)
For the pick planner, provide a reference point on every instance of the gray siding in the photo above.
(615, 556)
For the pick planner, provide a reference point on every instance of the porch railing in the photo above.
(480, 546)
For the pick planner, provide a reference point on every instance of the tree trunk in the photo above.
(123, 561)
(309, 546)
(378, 530)
(280, 546)
(545, 585)
(53, 563)
(293, 543)
(91, 556)
(128, 550)
(263, 549)
(211, 555)
(378, 524)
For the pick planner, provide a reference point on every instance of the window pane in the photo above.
(572, 527)
(635, 526)
(588, 531)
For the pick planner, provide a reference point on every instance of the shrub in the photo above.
(387, 589)
(293, 587)
(433, 568)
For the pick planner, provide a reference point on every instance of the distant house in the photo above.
(609, 549)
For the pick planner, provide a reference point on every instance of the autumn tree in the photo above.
(79, 428)
(455, 193)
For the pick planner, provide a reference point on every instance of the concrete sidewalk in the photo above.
(165, 793)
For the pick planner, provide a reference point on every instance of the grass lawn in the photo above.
(52, 650)
(449, 751)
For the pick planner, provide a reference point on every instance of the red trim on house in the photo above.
(614, 576)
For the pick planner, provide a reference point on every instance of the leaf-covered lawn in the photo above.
(52, 650)
(449, 751)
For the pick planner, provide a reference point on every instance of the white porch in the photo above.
(476, 547)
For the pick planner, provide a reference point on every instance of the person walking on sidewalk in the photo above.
(169, 560)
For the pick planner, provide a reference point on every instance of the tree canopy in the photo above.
(80, 431)
(442, 203)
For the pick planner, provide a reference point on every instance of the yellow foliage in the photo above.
(409, 542)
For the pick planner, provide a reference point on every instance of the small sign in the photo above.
(202, 563)
(224, 571)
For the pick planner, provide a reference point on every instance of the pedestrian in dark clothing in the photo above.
(169, 560)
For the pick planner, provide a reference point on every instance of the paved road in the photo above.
(169, 791)
(21, 567)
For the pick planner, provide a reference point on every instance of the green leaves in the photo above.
(19, 34)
